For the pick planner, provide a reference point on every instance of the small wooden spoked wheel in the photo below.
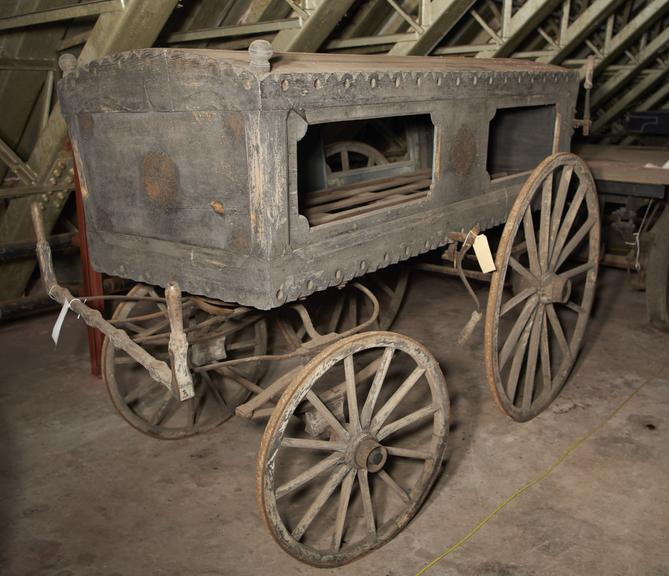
(150, 407)
(352, 448)
(352, 154)
(390, 286)
(341, 309)
(551, 244)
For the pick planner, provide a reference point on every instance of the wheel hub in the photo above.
(555, 289)
(368, 454)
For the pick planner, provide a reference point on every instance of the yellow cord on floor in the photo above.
(547, 472)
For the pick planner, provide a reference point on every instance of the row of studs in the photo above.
(408, 251)
(417, 79)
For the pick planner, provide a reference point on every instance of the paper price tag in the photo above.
(483, 254)
(55, 332)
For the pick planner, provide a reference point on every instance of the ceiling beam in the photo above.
(137, 26)
(440, 16)
(629, 98)
(315, 29)
(618, 43)
(579, 30)
(655, 99)
(522, 23)
(93, 8)
(642, 59)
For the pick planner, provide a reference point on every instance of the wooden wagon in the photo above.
(264, 185)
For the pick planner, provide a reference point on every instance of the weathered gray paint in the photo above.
(160, 134)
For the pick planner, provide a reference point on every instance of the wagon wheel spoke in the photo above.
(375, 389)
(558, 208)
(545, 222)
(193, 410)
(394, 487)
(518, 267)
(368, 508)
(151, 331)
(557, 330)
(309, 444)
(566, 225)
(319, 502)
(342, 509)
(517, 299)
(353, 309)
(327, 415)
(152, 292)
(336, 313)
(381, 284)
(389, 286)
(578, 270)
(409, 453)
(242, 346)
(351, 395)
(343, 309)
(167, 409)
(300, 475)
(545, 352)
(533, 336)
(575, 307)
(518, 358)
(308, 475)
(406, 421)
(138, 391)
(575, 241)
(344, 160)
(370, 155)
(532, 358)
(517, 330)
(530, 239)
(131, 326)
(396, 398)
(213, 390)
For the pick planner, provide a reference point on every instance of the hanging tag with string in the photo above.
(55, 332)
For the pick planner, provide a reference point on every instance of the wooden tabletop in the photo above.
(626, 163)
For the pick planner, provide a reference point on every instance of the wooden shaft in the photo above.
(182, 380)
(157, 369)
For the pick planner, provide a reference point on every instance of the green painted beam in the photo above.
(628, 99)
(524, 22)
(649, 14)
(443, 16)
(644, 58)
(315, 30)
(58, 14)
(581, 28)
(136, 27)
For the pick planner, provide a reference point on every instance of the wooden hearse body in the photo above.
(251, 180)
(211, 168)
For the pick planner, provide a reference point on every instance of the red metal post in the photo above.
(92, 280)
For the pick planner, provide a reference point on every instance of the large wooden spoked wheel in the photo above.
(551, 243)
(150, 407)
(376, 412)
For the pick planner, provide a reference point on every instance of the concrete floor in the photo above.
(83, 493)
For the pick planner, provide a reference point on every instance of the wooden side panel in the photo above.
(176, 177)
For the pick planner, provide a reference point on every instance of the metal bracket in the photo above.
(586, 121)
